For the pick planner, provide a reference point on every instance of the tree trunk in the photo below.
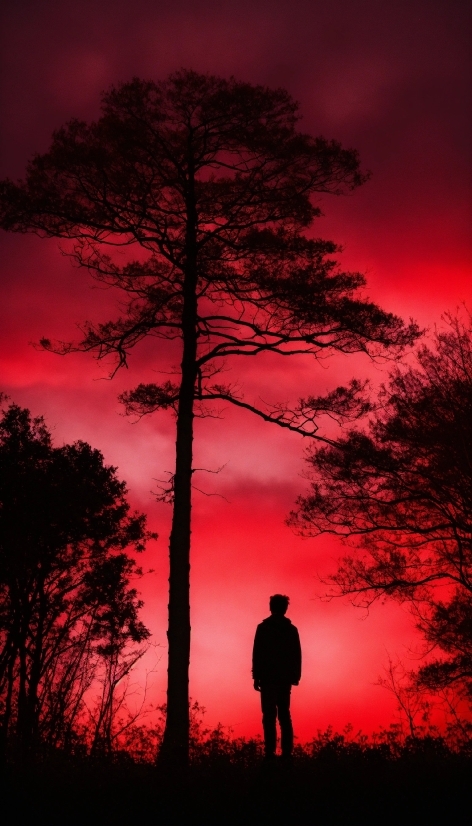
(22, 710)
(5, 725)
(174, 752)
(32, 722)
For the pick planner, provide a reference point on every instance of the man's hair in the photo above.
(278, 603)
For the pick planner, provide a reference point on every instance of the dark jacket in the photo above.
(277, 655)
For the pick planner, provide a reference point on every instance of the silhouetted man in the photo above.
(276, 666)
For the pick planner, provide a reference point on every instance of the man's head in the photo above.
(278, 604)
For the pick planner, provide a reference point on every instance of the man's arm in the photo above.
(256, 659)
(297, 658)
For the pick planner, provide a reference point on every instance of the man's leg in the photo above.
(269, 716)
(285, 720)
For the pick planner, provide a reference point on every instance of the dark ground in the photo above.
(426, 784)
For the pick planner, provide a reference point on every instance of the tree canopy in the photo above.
(403, 487)
(210, 173)
(216, 187)
(67, 608)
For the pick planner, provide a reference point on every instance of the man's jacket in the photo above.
(277, 655)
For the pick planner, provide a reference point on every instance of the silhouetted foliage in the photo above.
(404, 487)
(337, 777)
(69, 618)
(215, 185)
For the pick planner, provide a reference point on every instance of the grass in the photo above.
(332, 780)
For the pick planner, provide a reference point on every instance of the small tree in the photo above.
(66, 603)
(211, 179)
(404, 488)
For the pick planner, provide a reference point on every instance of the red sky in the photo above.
(393, 81)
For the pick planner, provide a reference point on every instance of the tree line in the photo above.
(399, 490)
(69, 616)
